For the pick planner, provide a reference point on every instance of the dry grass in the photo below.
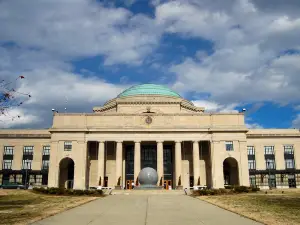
(275, 207)
(24, 207)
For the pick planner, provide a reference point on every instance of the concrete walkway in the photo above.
(147, 210)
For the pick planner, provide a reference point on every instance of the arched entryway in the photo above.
(231, 171)
(66, 173)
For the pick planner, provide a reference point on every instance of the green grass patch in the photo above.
(24, 206)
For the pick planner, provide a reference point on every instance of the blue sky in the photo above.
(223, 55)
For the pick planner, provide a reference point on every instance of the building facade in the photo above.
(150, 126)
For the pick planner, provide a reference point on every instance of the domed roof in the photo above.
(148, 89)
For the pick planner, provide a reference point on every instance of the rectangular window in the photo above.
(252, 180)
(8, 150)
(28, 150)
(229, 145)
(26, 164)
(251, 164)
(45, 165)
(46, 150)
(7, 164)
(272, 180)
(288, 149)
(251, 150)
(269, 150)
(270, 164)
(289, 164)
(68, 145)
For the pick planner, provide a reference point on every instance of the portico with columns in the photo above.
(148, 126)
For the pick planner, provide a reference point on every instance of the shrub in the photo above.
(255, 189)
(241, 189)
(225, 191)
(229, 187)
(63, 191)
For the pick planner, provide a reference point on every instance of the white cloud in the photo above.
(297, 107)
(18, 117)
(50, 82)
(296, 122)
(79, 28)
(253, 126)
(248, 64)
(211, 106)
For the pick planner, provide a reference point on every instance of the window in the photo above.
(46, 150)
(270, 164)
(35, 179)
(272, 180)
(68, 145)
(252, 180)
(28, 150)
(251, 150)
(45, 165)
(251, 164)
(269, 150)
(7, 164)
(26, 164)
(288, 149)
(8, 150)
(289, 164)
(229, 145)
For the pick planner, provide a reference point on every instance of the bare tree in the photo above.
(10, 97)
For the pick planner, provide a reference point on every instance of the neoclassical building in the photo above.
(150, 126)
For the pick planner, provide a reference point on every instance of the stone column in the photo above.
(217, 164)
(196, 163)
(119, 154)
(80, 167)
(160, 163)
(53, 174)
(279, 156)
(178, 165)
(137, 160)
(1, 157)
(101, 165)
(243, 164)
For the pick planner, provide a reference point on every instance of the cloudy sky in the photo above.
(224, 55)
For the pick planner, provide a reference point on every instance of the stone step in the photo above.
(148, 192)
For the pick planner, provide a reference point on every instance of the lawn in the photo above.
(24, 206)
(273, 208)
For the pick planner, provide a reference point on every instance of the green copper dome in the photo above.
(148, 89)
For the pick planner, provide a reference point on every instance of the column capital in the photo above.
(119, 141)
(159, 141)
(178, 141)
(195, 141)
(137, 141)
(101, 141)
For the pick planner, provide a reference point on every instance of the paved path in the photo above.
(147, 210)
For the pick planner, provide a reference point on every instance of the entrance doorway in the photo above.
(66, 173)
(105, 181)
(292, 180)
(129, 184)
(191, 181)
(167, 184)
(230, 171)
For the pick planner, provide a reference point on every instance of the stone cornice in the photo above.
(41, 136)
(147, 130)
(153, 114)
(272, 135)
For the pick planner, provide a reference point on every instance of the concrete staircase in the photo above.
(148, 192)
